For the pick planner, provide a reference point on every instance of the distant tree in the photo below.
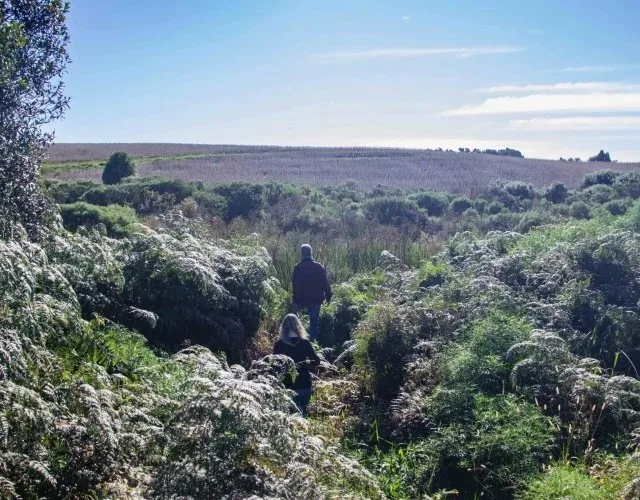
(119, 166)
(601, 156)
(476, 150)
(510, 152)
(33, 58)
(461, 150)
(577, 159)
(490, 151)
(561, 159)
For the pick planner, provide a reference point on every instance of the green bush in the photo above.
(617, 207)
(459, 205)
(556, 193)
(520, 189)
(211, 203)
(598, 193)
(480, 205)
(114, 217)
(495, 207)
(243, 199)
(609, 478)
(383, 340)
(580, 210)
(480, 359)
(391, 210)
(433, 202)
(68, 192)
(607, 177)
(118, 167)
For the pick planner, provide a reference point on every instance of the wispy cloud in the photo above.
(409, 53)
(406, 18)
(535, 103)
(578, 123)
(566, 86)
(600, 68)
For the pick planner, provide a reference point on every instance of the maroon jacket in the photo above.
(310, 284)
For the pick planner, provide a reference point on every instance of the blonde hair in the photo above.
(292, 324)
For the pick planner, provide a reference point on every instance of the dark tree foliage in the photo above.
(118, 167)
(601, 156)
(556, 193)
(33, 58)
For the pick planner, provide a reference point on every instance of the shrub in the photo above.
(628, 185)
(601, 156)
(556, 193)
(495, 207)
(383, 340)
(243, 199)
(68, 192)
(189, 207)
(118, 167)
(580, 210)
(391, 210)
(211, 203)
(610, 477)
(480, 360)
(617, 207)
(598, 193)
(480, 205)
(607, 177)
(520, 190)
(434, 203)
(459, 205)
(114, 217)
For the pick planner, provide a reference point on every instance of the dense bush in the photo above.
(606, 177)
(115, 218)
(459, 205)
(556, 193)
(580, 210)
(118, 167)
(434, 203)
(495, 207)
(391, 210)
(243, 199)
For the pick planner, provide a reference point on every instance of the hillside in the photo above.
(466, 173)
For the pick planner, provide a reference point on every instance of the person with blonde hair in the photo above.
(294, 343)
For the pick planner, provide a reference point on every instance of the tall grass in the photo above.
(402, 168)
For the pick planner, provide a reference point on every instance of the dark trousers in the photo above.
(314, 320)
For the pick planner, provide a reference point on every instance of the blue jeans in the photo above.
(302, 398)
(314, 315)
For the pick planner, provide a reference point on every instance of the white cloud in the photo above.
(460, 52)
(578, 123)
(536, 103)
(603, 68)
(566, 86)
(406, 18)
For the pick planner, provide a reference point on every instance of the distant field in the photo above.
(367, 167)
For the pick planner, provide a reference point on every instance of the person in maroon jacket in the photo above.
(310, 287)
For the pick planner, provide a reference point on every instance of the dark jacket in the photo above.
(310, 284)
(304, 357)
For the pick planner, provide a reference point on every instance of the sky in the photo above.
(546, 77)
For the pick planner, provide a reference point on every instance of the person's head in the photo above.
(306, 252)
(292, 330)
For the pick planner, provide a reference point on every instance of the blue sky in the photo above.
(550, 78)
